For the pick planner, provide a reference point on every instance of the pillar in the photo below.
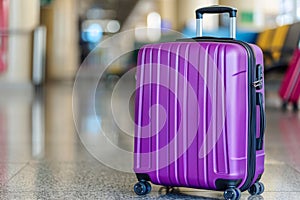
(23, 18)
(60, 18)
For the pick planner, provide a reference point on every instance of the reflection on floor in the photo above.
(41, 156)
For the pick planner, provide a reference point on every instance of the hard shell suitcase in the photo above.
(290, 87)
(199, 114)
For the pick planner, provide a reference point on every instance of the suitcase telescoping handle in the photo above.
(216, 10)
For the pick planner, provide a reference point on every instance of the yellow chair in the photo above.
(284, 43)
(264, 39)
(278, 40)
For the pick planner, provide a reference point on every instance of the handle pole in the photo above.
(199, 27)
(216, 10)
(233, 27)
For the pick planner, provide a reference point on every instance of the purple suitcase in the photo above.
(199, 114)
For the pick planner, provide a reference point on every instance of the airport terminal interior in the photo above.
(67, 90)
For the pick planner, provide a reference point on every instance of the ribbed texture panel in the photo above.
(187, 169)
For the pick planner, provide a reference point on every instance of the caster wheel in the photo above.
(295, 107)
(140, 188)
(232, 194)
(149, 188)
(165, 190)
(239, 193)
(254, 189)
(284, 106)
(261, 188)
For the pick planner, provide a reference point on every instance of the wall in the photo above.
(180, 12)
(262, 11)
(176, 12)
(186, 13)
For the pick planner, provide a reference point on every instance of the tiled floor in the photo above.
(42, 156)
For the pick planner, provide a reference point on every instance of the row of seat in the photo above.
(278, 45)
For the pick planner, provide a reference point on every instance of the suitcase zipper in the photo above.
(251, 163)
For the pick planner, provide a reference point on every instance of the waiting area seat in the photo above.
(278, 45)
(264, 39)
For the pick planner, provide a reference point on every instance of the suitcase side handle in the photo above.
(260, 140)
(216, 10)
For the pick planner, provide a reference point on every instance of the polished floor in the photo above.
(42, 156)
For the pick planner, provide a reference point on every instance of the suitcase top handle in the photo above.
(216, 9)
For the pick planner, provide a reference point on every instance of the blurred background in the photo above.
(44, 42)
(65, 31)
